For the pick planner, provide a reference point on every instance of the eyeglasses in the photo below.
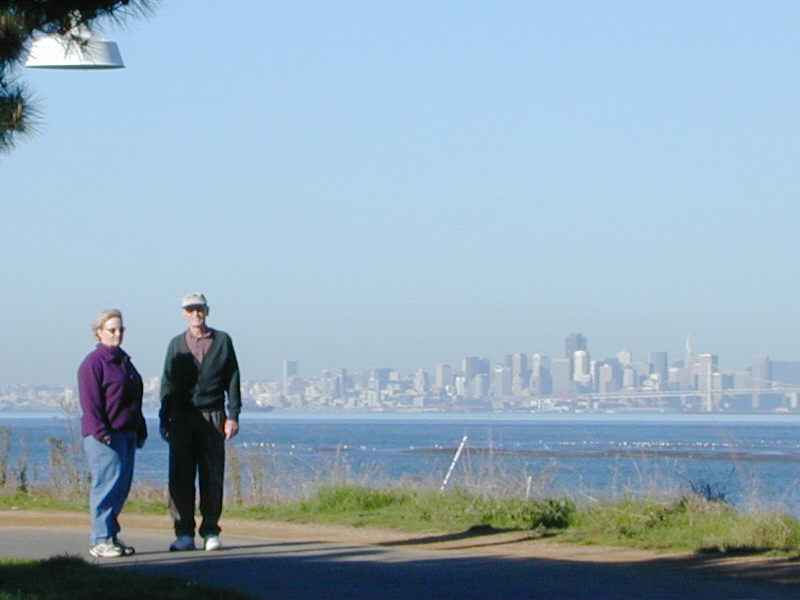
(196, 308)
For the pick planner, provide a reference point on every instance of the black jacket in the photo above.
(187, 384)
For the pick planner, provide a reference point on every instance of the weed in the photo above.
(65, 472)
(5, 446)
(713, 491)
(22, 472)
(235, 474)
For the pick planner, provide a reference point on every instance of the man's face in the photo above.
(195, 315)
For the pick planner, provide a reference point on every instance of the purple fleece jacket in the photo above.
(110, 390)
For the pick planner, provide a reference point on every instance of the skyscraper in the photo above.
(561, 376)
(625, 357)
(688, 382)
(706, 368)
(580, 368)
(470, 367)
(421, 381)
(762, 379)
(608, 379)
(573, 343)
(289, 368)
(659, 365)
(444, 376)
(520, 372)
(289, 375)
(762, 372)
(501, 382)
(539, 382)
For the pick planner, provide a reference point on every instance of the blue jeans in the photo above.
(111, 470)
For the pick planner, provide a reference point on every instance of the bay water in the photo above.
(752, 461)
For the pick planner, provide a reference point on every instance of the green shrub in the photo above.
(348, 498)
(685, 523)
(516, 513)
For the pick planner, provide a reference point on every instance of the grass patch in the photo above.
(41, 500)
(71, 578)
(52, 500)
(690, 523)
(415, 510)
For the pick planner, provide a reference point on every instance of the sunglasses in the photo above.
(195, 308)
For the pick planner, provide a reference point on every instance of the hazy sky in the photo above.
(364, 184)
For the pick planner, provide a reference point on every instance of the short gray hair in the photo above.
(104, 316)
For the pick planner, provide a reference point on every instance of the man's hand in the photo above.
(231, 428)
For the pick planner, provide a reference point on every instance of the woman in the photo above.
(112, 426)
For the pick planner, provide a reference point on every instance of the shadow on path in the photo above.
(300, 568)
(288, 571)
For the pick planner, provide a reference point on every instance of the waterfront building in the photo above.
(460, 385)
(629, 379)
(580, 369)
(501, 383)
(379, 378)
(479, 386)
(444, 376)
(561, 376)
(421, 381)
(607, 379)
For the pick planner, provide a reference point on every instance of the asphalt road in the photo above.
(279, 569)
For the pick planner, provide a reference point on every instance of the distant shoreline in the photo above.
(469, 416)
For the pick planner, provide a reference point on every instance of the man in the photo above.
(200, 370)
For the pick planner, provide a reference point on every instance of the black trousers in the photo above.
(196, 450)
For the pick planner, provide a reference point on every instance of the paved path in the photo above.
(281, 569)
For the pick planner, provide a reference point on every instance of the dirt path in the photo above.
(512, 544)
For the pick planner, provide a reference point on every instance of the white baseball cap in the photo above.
(194, 299)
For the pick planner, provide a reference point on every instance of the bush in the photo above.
(347, 498)
(530, 514)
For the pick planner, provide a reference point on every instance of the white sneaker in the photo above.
(105, 549)
(213, 543)
(181, 543)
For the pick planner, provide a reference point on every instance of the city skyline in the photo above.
(307, 368)
(404, 184)
(292, 366)
(572, 381)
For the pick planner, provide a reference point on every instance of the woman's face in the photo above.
(110, 334)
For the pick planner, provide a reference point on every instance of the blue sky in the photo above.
(367, 184)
